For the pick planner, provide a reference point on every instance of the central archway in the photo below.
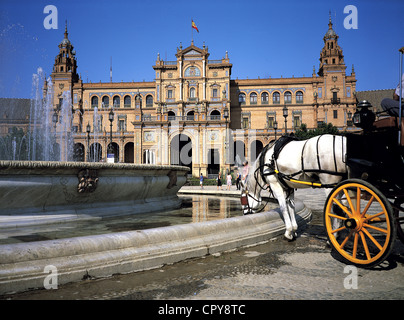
(181, 151)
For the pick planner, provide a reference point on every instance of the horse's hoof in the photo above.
(289, 237)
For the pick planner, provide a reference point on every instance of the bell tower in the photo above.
(64, 73)
(331, 57)
(65, 61)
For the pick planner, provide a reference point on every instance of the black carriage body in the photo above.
(376, 157)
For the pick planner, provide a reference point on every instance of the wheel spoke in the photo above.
(342, 245)
(336, 216)
(337, 230)
(355, 248)
(367, 207)
(342, 207)
(376, 228)
(369, 218)
(365, 245)
(350, 203)
(358, 201)
(373, 239)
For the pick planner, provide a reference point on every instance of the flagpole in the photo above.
(192, 32)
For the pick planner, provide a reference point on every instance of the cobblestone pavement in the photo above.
(303, 269)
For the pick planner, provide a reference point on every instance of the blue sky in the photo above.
(263, 38)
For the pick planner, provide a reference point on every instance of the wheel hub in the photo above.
(350, 223)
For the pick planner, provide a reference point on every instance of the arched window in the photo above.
(171, 115)
(299, 97)
(215, 115)
(127, 102)
(94, 102)
(288, 97)
(192, 93)
(241, 98)
(149, 101)
(276, 98)
(253, 98)
(105, 102)
(116, 102)
(264, 98)
(191, 115)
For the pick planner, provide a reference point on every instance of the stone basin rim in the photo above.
(6, 164)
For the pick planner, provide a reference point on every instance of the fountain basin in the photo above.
(25, 266)
(58, 191)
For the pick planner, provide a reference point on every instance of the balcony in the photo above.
(191, 117)
(214, 117)
(335, 100)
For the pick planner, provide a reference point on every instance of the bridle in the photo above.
(259, 172)
(245, 194)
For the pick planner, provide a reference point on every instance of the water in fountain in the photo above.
(64, 135)
(13, 146)
(40, 143)
(45, 143)
(95, 148)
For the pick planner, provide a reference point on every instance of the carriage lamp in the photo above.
(226, 113)
(285, 114)
(364, 118)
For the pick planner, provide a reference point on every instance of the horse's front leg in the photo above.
(292, 213)
(279, 194)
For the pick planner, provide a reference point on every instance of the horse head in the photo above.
(250, 195)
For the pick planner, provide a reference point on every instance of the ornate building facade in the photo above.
(194, 113)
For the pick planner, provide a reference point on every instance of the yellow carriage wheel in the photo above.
(359, 223)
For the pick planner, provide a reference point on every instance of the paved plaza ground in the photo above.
(274, 270)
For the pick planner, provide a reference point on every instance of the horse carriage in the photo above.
(362, 173)
(363, 213)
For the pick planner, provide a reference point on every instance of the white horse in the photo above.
(316, 162)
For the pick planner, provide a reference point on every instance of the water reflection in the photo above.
(207, 209)
(194, 209)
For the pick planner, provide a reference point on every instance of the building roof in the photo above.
(331, 34)
(14, 109)
(375, 97)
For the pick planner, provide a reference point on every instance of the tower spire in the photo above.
(110, 71)
(331, 56)
(66, 33)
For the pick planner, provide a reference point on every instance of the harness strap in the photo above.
(308, 183)
(333, 148)
(302, 158)
(318, 157)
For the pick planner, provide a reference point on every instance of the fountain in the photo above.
(50, 184)
(46, 144)
(39, 184)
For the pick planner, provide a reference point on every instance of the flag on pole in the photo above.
(194, 26)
